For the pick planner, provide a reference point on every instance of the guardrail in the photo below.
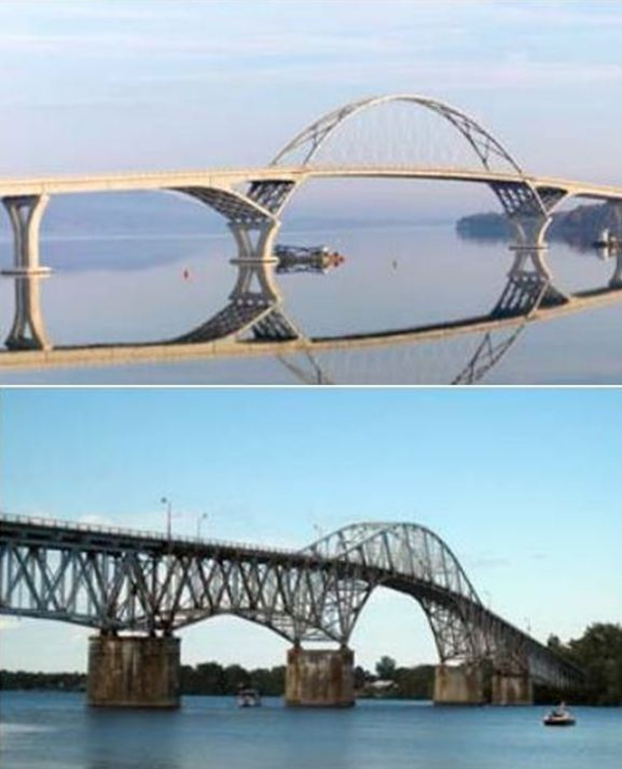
(55, 523)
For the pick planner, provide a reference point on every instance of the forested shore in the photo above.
(598, 652)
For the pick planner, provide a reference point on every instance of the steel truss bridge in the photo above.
(253, 201)
(119, 581)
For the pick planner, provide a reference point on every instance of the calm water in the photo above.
(57, 731)
(133, 288)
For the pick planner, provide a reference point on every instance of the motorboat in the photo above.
(249, 698)
(607, 240)
(559, 717)
(318, 259)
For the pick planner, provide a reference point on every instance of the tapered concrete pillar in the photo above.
(133, 672)
(616, 278)
(511, 688)
(319, 678)
(27, 331)
(459, 685)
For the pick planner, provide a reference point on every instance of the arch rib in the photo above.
(480, 140)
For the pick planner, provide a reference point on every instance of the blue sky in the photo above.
(108, 85)
(522, 484)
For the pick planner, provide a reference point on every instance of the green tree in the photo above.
(385, 668)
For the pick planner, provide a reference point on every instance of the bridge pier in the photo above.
(616, 278)
(133, 672)
(511, 688)
(319, 678)
(27, 331)
(459, 685)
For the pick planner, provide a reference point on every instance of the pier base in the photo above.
(320, 678)
(133, 672)
(511, 689)
(459, 685)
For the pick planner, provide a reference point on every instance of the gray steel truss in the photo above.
(119, 580)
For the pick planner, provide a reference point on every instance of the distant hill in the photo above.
(579, 227)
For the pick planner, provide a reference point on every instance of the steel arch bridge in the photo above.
(253, 201)
(129, 581)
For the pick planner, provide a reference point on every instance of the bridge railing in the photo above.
(56, 523)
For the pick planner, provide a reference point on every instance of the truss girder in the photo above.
(271, 194)
(235, 207)
(128, 581)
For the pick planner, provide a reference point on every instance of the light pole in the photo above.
(169, 516)
(200, 520)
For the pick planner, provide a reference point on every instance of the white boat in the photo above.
(249, 698)
(559, 717)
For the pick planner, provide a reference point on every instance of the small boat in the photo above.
(559, 717)
(249, 698)
(607, 240)
(306, 258)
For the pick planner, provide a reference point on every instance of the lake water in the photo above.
(57, 731)
(133, 288)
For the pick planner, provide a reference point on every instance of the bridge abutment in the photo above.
(320, 678)
(459, 685)
(511, 688)
(133, 672)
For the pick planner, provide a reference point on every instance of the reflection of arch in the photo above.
(256, 302)
(314, 136)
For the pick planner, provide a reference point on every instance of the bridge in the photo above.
(136, 589)
(253, 201)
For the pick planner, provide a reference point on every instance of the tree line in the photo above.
(598, 652)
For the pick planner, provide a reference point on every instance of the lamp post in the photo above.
(200, 520)
(169, 516)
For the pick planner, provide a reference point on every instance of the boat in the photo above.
(559, 717)
(607, 240)
(306, 258)
(249, 698)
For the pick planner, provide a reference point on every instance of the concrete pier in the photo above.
(320, 678)
(133, 672)
(459, 685)
(511, 689)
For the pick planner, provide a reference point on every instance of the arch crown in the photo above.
(306, 145)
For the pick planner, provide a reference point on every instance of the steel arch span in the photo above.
(131, 581)
(310, 140)
(519, 197)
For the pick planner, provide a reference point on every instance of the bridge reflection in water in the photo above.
(138, 588)
(256, 322)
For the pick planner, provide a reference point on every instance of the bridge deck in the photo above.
(227, 177)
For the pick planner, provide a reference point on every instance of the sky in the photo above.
(522, 484)
(104, 85)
